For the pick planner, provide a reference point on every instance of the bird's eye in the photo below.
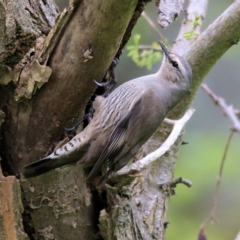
(174, 64)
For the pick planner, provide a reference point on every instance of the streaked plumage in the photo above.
(123, 121)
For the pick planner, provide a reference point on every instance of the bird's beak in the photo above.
(165, 50)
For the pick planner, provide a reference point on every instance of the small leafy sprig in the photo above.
(193, 34)
(144, 57)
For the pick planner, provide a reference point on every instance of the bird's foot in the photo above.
(111, 78)
(87, 117)
(110, 86)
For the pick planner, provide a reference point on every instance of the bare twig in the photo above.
(215, 200)
(169, 186)
(152, 24)
(144, 162)
(212, 214)
(191, 24)
(229, 111)
(149, 47)
(202, 235)
(184, 181)
(231, 114)
(173, 183)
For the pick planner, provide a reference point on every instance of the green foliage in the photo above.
(192, 34)
(143, 57)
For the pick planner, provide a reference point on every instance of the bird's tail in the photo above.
(67, 154)
(45, 165)
(39, 167)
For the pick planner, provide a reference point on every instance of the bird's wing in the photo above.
(117, 139)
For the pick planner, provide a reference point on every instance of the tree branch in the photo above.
(190, 28)
(202, 55)
(153, 25)
(83, 51)
(222, 34)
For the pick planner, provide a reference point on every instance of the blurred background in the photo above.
(206, 132)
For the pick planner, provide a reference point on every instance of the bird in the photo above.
(123, 121)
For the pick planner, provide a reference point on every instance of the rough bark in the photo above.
(11, 209)
(81, 51)
(202, 54)
(21, 22)
(78, 49)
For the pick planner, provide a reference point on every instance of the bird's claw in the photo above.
(101, 84)
(114, 62)
(110, 84)
(75, 125)
(87, 116)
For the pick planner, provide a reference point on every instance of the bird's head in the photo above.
(175, 69)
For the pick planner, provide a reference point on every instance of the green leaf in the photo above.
(146, 57)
